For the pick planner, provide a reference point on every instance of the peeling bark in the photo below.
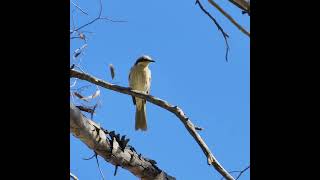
(113, 149)
(164, 104)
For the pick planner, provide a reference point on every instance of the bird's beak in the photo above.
(151, 61)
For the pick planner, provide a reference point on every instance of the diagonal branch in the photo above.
(112, 149)
(242, 4)
(78, 7)
(229, 17)
(73, 176)
(173, 109)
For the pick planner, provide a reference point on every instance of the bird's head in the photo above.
(144, 61)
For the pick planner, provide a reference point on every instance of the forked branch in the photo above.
(173, 109)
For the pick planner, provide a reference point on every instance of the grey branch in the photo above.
(173, 109)
(73, 176)
(229, 18)
(96, 138)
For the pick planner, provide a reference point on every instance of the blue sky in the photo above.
(190, 72)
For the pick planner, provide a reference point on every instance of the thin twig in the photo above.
(108, 19)
(173, 109)
(79, 8)
(74, 83)
(225, 35)
(115, 170)
(99, 17)
(73, 26)
(230, 173)
(99, 166)
(75, 37)
(229, 17)
(89, 157)
(242, 172)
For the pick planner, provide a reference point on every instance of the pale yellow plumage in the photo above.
(140, 79)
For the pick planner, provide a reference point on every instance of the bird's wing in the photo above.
(149, 87)
(133, 99)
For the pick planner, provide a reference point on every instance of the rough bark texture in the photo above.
(173, 109)
(112, 148)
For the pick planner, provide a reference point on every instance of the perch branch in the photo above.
(173, 109)
(229, 18)
(113, 149)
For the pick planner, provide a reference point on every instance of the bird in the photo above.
(140, 80)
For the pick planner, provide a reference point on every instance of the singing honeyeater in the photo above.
(140, 79)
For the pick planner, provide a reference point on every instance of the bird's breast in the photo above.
(140, 79)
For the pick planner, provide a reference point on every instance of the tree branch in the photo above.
(78, 7)
(99, 17)
(242, 4)
(114, 150)
(241, 172)
(73, 176)
(224, 34)
(229, 17)
(173, 109)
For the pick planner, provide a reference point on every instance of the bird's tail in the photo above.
(141, 118)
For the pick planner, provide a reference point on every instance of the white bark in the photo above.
(99, 141)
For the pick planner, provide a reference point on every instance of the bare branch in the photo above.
(240, 172)
(225, 35)
(114, 150)
(79, 8)
(242, 4)
(75, 37)
(173, 109)
(229, 17)
(96, 155)
(99, 17)
(73, 176)
(244, 170)
(108, 19)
